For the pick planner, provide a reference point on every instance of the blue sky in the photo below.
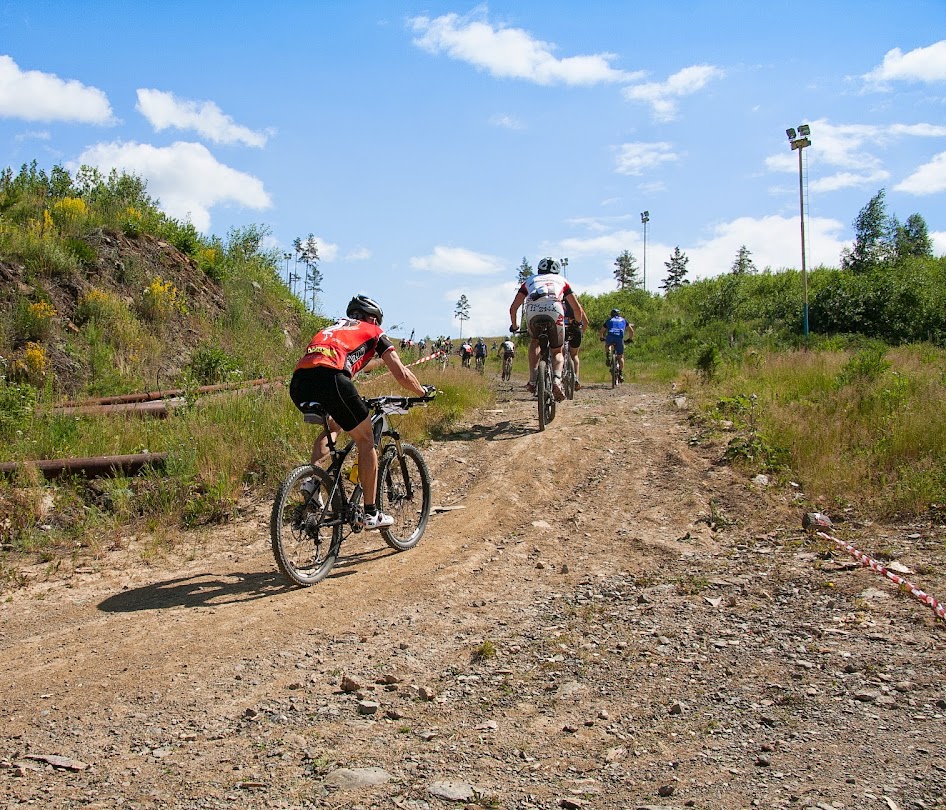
(429, 147)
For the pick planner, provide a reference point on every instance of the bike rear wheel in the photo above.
(404, 494)
(615, 371)
(568, 376)
(306, 537)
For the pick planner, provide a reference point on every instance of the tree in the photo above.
(625, 271)
(676, 271)
(873, 245)
(308, 253)
(912, 239)
(462, 312)
(524, 270)
(743, 264)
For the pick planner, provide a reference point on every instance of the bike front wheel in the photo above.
(306, 531)
(404, 494)
(568, 377)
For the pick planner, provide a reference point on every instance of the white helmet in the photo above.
(549, 265)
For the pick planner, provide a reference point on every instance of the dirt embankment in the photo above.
(610, 619)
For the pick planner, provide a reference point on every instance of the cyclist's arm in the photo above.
(514, 310)
(629, 330)
(402, 373)
(577, 309)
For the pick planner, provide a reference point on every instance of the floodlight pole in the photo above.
(799, 142)
(645, 218)
(564, 265)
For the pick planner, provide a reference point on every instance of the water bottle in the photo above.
(353, 473)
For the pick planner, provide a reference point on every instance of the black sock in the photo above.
(371, 509)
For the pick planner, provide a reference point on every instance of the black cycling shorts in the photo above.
(334, 390)
(546, 325)
(575, 332)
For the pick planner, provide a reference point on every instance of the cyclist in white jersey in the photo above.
(544, 295)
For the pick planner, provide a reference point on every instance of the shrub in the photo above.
(33, 321)
(160, 299)
(211, 365)
(84, 252)
(29, 364)
(16, 407)
(69, 214)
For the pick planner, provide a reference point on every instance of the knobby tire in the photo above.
(404, 493)
(305, 538)
(542, 393)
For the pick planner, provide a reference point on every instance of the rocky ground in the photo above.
(601, 616)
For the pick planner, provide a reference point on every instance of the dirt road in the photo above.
(604, 616)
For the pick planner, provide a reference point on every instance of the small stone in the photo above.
(665, 791)
(676, 707)
(349, 685)
(367, 707)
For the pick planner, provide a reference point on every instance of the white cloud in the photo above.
(919, 65)
(510, 52)
(186, 178)
(35, 96)
(459, 262)
(938, 238)
(662, 96)
(33, 135)
(930, 178)
(165, 110)
(489, 308)
(774, 241)
(848, 147)
(835, 182)
(358, 254)
(507, 122)
(635, 158)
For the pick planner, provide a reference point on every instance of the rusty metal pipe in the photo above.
(96, 467)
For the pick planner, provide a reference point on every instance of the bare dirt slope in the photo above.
(613, 619)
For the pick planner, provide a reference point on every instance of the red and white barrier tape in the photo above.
(428, 357)
(415, 363)
(937, 607)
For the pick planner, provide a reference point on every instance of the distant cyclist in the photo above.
(479, 352)
(466, 352)
(574, 328)
(324, 374)
(544, 295)
(613, 333)
(507, 350)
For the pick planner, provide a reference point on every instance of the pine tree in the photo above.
(625, 271)
(743, 264)
(873, 237)
(462, 312)
(524, 270)
(912, 239)
(676, 271)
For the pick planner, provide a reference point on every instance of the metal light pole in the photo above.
(799, 141)
(564, 265)
(645, 218)
(287, 257)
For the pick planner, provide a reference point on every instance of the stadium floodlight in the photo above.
(799, 141)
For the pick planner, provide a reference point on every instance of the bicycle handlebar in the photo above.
(406, 402)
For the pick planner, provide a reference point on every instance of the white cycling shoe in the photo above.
(379, 520)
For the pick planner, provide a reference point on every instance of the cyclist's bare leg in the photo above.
(576, 361)
(534, 353)
(320, 446)
(363, 436)
(558, 362)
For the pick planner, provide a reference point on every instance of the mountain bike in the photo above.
(568, 370)
(611, 361)
(316, 509)
(507, 368)
(480, 363)
(543, 383)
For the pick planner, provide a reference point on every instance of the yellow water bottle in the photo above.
(353, 474)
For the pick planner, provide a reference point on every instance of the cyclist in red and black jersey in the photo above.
(324, 374)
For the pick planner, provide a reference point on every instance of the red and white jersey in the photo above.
(545, 295)
(346, 345)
